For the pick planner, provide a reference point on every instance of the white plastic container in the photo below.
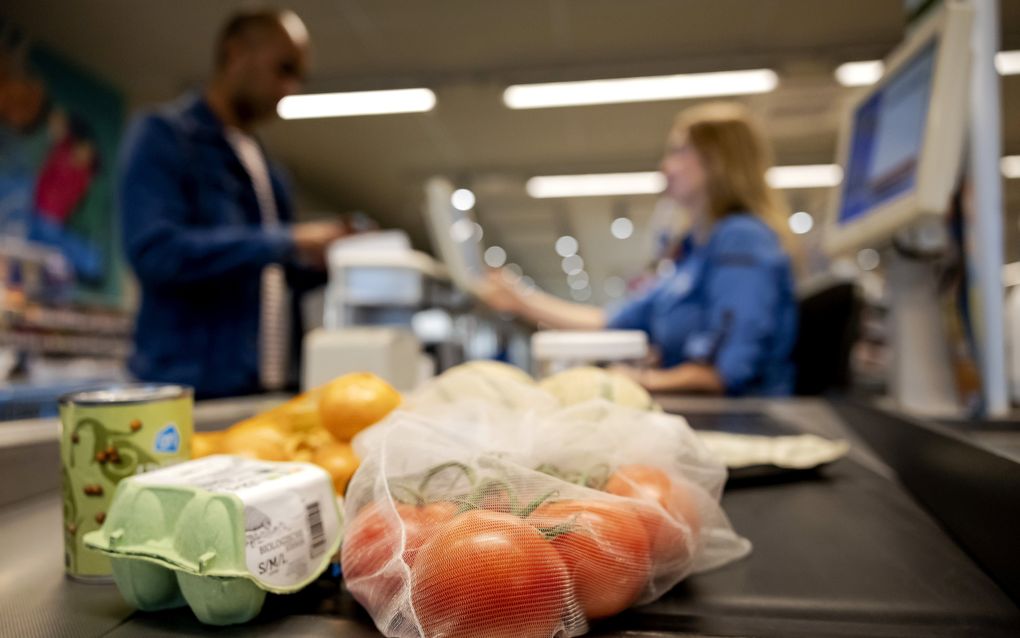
(384, 279)
(375, 269)
(391, 353)
(553, 351)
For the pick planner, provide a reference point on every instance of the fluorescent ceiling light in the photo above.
(859, 73)
(578, 281)
(512, 273)
(566, 246)
(643, 89)
(621, 228)
(581, 295)
(494, 256)
(572, 264)
(462, 230)
(652, 182)
(1007, 62)
(1010, 166)
(596, 184)
(801, 222)
(297, 107)
(463, 199)
(868, 72)
(806, 176)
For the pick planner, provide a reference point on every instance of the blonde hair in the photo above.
(735, 156)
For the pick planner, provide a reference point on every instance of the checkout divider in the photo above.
(845, 550)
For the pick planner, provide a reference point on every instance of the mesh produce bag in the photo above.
(480, 525)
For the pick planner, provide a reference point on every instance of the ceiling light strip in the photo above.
(317, 105)
(640, 89)
(545, 186)
(868, 72)
(804, 176)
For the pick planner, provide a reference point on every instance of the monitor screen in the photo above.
(888, 132)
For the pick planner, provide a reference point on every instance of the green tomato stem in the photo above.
(468, 472)
(563, 528)
(530, 508)
(416, 497)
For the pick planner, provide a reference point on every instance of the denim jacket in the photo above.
(193, 234)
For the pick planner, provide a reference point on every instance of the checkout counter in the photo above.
(913, 533)
(879, 543)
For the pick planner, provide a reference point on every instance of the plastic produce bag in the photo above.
(461, 526)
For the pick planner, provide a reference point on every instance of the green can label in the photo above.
(108, 435)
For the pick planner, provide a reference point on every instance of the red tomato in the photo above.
(606, 552)
(489, 574)
(372, 541)
(672, 541)
(497, 500)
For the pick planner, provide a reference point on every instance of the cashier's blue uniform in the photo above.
(730, 303)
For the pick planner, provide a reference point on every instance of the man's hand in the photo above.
(311, 239)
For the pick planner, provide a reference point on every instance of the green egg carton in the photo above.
(217, 533)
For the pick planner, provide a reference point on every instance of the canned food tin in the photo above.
(106, 435)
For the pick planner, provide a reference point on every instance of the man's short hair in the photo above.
(245, 25)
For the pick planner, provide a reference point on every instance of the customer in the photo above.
(725, 320)
(207, 221)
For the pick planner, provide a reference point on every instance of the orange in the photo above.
(259, 439)
(302, 446)
(299, 415)
(206, 443)
(339, 460)
(351, 403)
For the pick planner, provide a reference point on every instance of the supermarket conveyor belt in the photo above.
(843, 551)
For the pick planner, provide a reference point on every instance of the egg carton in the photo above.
(218, 533)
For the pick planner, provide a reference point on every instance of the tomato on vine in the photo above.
(605, 549)
(490, 574)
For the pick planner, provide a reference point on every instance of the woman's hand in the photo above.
(686, 377)
(634, 374)
(537, 307)
(499, 294)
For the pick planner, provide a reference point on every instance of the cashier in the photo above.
(724, 321)
(206, 221)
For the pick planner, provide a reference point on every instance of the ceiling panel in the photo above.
(468, 51)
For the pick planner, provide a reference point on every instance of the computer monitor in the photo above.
(903, 139)
(454, 234)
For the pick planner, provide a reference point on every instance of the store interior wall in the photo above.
(468, 52)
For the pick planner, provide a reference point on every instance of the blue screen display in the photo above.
(888, 132)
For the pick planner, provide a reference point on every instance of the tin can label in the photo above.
(103, 443)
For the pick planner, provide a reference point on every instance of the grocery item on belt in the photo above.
(795, 452)
(108, 434)
(491, 382)
(218, 533)
(528, 524)
(506, 388)
(314, 427)
(577, 385)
